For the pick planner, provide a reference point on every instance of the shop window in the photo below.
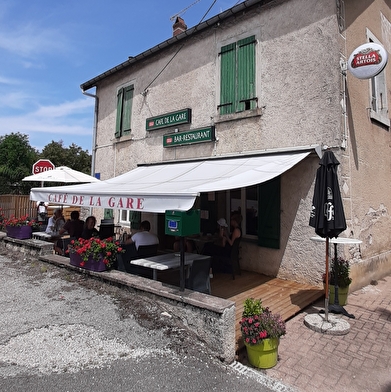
(131, 219)
(378, 93)
(245, 202)
(237, 76)
(124, 110)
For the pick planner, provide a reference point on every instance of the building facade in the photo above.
(262, 78)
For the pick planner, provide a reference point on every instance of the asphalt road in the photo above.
(62, 331)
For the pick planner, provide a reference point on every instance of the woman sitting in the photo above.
(89, 230)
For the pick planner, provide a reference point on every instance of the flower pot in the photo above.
(19, 232)
(91, 264)
(342, 295)
(263, 355)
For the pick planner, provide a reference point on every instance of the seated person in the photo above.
(89, 229)
(224, 245)
(55, 223)
(143, 237)
(73, 227)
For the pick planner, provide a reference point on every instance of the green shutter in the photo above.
(127, 108)
(108, 213)
(246, 74)
(135, 219)
(269, 214)
(118, 124)
(227, 78)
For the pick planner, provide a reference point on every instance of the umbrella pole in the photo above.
(336, 307)
(326, 300)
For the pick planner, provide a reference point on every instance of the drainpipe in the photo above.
(94, 130)
(93, 134)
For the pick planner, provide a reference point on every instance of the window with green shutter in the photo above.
(124, 110)
(237, 76)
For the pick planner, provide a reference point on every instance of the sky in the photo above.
(49, 48)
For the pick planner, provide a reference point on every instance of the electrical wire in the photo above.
(179, 49)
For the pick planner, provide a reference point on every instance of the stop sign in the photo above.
(42, 165)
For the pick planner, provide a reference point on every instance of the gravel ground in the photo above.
(64, 331)
(63, 338)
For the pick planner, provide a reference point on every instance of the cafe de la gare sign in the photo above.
(167, 120)
(190, 137)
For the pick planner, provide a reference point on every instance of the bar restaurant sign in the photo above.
(168, 120)
(190, 137)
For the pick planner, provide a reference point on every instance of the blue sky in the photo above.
(48, 48)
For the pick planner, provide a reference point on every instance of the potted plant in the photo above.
(20, 228)
(261, 331)
(339, 272)
(94, 254)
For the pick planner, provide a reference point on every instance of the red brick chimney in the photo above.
(179, 26)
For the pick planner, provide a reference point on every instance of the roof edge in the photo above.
(187, 33)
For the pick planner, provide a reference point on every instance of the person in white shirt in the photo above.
(55, 222)
(143, 237)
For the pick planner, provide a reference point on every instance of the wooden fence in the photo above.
(21, 205)
(18, 205)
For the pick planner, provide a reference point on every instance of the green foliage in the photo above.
(16, 160)
(252, 307)
(74, 156)
(259, 323)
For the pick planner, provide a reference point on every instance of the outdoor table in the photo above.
(38, 235)
(201, 240)
(167, 261)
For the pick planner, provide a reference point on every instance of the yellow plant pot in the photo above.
(263, 355)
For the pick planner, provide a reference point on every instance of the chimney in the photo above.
(179, 26)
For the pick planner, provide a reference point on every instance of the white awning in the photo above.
(171, 186)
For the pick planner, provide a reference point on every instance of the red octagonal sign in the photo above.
(42, 165)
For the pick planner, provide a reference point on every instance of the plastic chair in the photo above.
(199, 279)
(147, 251)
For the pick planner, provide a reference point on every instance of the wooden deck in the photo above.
(282, 296)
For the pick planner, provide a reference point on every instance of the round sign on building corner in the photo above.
(367, 61)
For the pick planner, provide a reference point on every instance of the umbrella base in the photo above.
(338, 309)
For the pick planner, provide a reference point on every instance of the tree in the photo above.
(73, 156)
(16, 161)
(17, 158)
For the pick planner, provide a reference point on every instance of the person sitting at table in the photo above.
(74, 227)
(224, 244)
(89, 229)
(55, 222)
(143, 237)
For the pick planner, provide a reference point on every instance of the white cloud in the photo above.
(32, 40)
(63, 119)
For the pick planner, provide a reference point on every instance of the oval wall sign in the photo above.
(367, 61)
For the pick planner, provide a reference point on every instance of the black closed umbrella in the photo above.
(327, 215)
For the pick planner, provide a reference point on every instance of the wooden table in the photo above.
(167, 261)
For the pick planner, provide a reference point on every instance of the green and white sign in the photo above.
(190, 137)
(169, 119)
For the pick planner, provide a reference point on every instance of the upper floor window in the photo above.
(237, 76)
(124, 110)
(378, 92)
